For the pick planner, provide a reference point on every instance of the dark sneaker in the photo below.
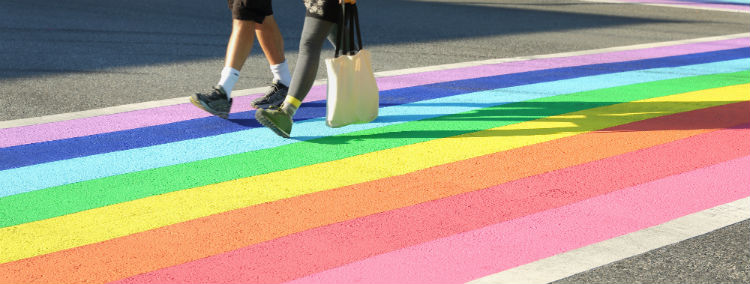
(274, 96)
(275, 119)
(214, 102)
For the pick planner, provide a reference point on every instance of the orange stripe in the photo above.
(179, 243)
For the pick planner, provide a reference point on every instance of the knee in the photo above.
(307, 44)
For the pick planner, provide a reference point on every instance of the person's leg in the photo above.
(218, 101)
(314, 32)
(238, 49)
(270, 39)
(240, 43)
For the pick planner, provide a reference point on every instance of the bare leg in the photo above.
(270, 39)
(240, 43)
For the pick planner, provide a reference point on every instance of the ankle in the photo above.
(281, 73)
(290, 105)
(288, 109)
(229, 77)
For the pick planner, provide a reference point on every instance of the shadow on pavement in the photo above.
(83, 36)
(479, 123)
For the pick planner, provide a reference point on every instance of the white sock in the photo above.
(229, 77)
(281, 73)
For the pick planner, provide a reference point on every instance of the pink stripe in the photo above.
(168, 114)
(471, 255)
(727, 6)
(339, 244)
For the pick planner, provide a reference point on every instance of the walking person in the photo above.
(249, 18)
(320, 23)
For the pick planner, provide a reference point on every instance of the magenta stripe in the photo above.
(727, 6)
(168, 114)
(474, 254)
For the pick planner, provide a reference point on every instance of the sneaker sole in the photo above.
(270, 125)
(204, 107)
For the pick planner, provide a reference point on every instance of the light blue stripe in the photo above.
(25, 179)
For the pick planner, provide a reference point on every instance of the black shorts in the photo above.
(250, 10)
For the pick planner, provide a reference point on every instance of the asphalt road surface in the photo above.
(65, 56)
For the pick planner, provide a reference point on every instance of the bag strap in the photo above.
(355, 23)
(340, 31)
(348, 22)
(350, 30)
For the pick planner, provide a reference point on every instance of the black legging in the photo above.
(314, 32)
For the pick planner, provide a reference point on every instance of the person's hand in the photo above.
(349, 1)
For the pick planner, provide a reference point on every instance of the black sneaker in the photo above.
(274, 96)
(215, 102)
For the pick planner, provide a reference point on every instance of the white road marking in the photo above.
(246, 92)
(586, 258)
(685, 6)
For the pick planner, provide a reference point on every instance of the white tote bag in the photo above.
(352, 95)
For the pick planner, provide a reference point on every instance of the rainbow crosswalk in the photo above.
(742, 6)
(470, 170)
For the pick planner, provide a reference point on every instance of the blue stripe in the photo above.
(44, 152)
(19, 180)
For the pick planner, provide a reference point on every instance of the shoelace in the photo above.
(273, 89)
(216, 94)
(271, 94)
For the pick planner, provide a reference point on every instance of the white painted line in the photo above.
(246, 92)
(563, 54)
(685, 6)
(582, 259)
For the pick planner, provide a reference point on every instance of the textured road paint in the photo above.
(725, 6)
(346, 242)
(729, 5)
(169, 114)
(61, 200)
(50, 151)
(41, 176)
(257, 91)
(200, 238)
(95, 225)
(51, 174)
(589, 257)
(467, 256)
(446, 164)
(66, 199)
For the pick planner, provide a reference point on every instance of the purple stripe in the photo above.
(169, 114)
(726, 6)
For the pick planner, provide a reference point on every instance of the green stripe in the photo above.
(71, 198)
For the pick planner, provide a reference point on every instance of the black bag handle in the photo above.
(355, 22)
(348, 22)
(340, 32)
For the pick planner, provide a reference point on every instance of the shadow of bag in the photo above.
(352, 93)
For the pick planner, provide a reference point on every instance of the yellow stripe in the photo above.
(100, 224)
(293, 101)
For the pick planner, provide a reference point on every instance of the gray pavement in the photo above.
(719, 257)
(64, 56)
(73, 55)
